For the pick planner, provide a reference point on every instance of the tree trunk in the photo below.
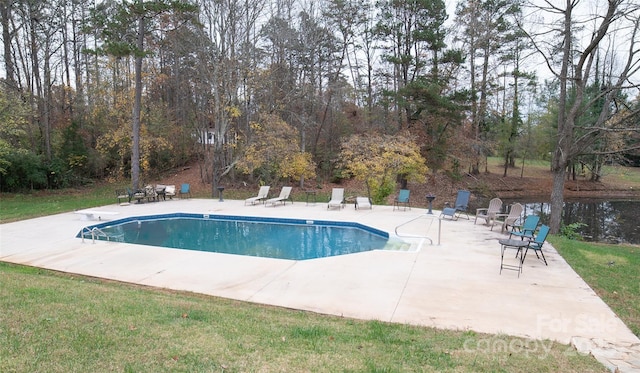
(137, 103)
(563, 142)
(5, 18)
(557, 198)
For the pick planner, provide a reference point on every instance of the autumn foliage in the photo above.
(273, 152)
(380, 160)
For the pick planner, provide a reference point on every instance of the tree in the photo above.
(414, 35)
(275, 152)
(516, 48)
(575, 73)
(486, 28)
(125, 27)
(379, 160)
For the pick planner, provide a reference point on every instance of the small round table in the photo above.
(518, 245)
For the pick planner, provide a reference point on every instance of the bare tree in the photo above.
(575, 73)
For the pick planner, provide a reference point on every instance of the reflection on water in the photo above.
(606, 220)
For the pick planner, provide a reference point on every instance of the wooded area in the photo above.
(266, 91)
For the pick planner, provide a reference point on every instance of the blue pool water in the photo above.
(264, 237)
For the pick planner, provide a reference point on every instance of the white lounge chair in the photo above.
(283, 197)
(337, 198)
(170, 191)
(263, 193)
(363, 203)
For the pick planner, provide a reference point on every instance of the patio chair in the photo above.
(510, 219)
(402, 199)
(527, 229)
(537, 243)
(123, 194)
(263, 193)
(489, 213)
(284, 196)
(460, 207)
(170, 191)
(363, 203)
(185, 190)
(337, 198)
(138, 195)
(161, 191)
(150, 193)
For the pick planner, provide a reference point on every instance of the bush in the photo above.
(571, 231)
(380, 192)
(24, 170)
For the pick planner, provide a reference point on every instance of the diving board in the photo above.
(95, 214)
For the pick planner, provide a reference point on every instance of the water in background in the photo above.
(611, 221)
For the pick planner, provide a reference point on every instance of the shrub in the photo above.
(570, 231)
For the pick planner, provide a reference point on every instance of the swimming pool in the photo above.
(294, 239)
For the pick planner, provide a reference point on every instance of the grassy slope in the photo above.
(54, 322)
(611, 271)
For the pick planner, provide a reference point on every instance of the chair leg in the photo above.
(501, 257)
(537, 256)
(543, 258)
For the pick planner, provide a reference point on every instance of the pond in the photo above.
(607, 220)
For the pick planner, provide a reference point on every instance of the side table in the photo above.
(310, 193)
(518, 245)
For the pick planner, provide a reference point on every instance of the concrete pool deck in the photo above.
(455, 284)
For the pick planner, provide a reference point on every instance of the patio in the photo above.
(455, 284)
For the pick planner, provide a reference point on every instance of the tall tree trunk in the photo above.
(5, 19)
(35, 66)
(137, 103)
(560, 155)
(46, 100)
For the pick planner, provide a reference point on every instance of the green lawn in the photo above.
(53, 322)
(19, 206)
(611, 271)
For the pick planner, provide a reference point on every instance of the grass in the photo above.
(532, 167)
(57, 322)
(624, 176)
(611, 271)
(18, 206)
(620, 176)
